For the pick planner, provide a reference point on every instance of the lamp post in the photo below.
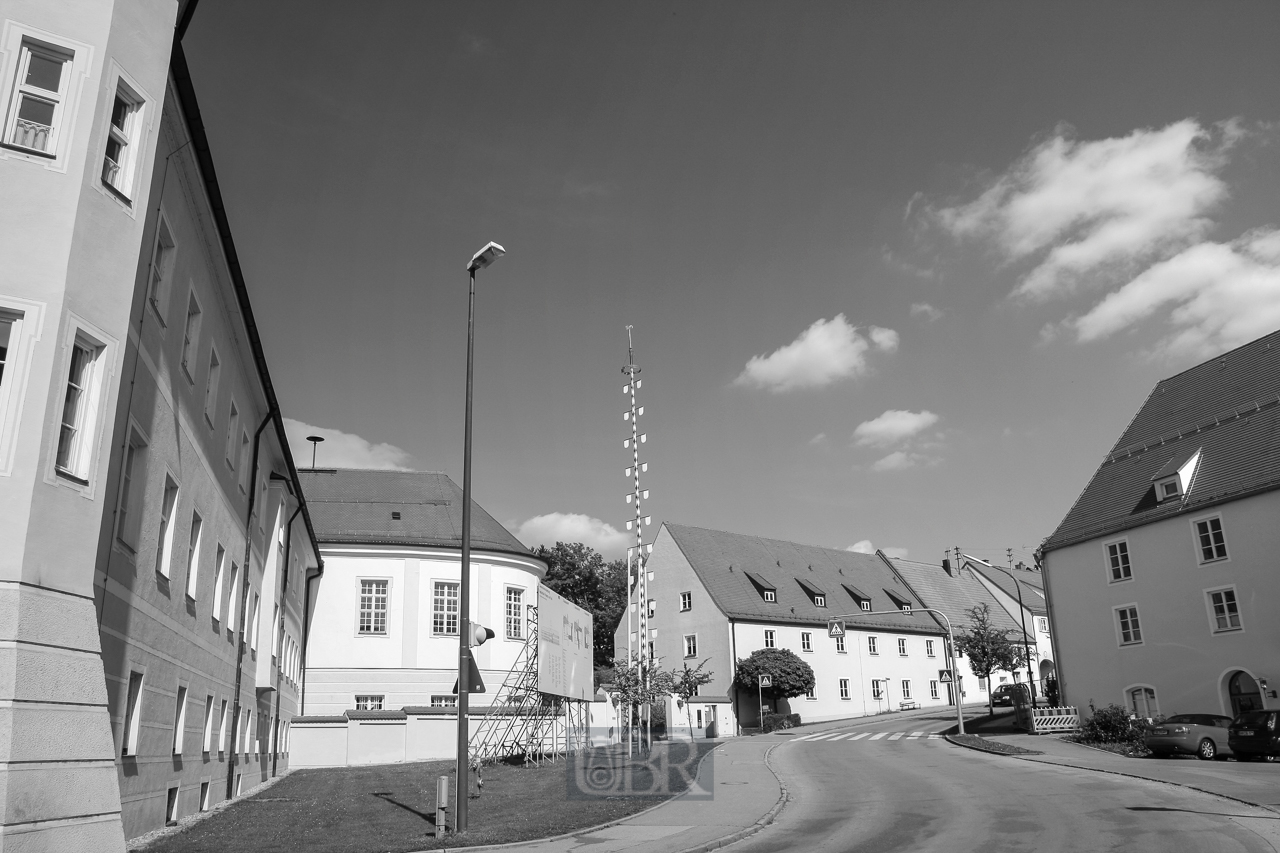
(1026, 643)
(315, 442)
(490, 253)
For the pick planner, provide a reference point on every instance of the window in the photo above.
(844, 688)
(444, 701)
(820, 601)
(204, 796)
(1118, 558)
(255, 624)
(1130, 632)
(190, 336)
(277, 643)
(243, 462)
(369, 703)
(770, 596)
(902, 647)
(233, 424)
(810, 694)
(933, 690)
(79, 408)
(840, 645)
(231, 598)
(652, 608)
(1226, 613)
(515, 613)
(129, 510)
(906, 688)
(373, 607)
(123, 141)
(686, 601)
(690, 645)
(866, 605)
(1213, 545)
(1042, 624)
(877, 688)
(871, 646)
(906, 608)
(160, 275)
(20, 322)
(179, 720)
(928, 648)
(223, 727)
(39, 97)
(193, 555)
(218, 562)
(806, 641)
(132, 715)
(171, 807)
(164, 539)
(208, 722)
(211, 389)
(769, 639)
(444, 608)
(1168, 489)
(982, 683)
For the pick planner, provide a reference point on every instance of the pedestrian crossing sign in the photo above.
(766, 680)
(835, 628)
(944, 676)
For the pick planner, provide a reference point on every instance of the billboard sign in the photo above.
(565, 644)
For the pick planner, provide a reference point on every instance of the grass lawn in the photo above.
(389, 808)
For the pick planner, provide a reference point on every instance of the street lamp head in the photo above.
(315, 439)
(486, 256)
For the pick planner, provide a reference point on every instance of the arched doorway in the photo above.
(1244, 693)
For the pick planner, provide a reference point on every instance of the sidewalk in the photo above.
(1254, 783)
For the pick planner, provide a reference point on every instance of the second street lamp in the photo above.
(490, 253)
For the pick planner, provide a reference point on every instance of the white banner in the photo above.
(564, 647)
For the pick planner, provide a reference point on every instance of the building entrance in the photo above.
(1244, 693)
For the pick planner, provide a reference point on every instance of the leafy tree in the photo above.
(580, 574)
(632, 688)
(685, 683)
(608, 613)
(988, 648)
(791, 676)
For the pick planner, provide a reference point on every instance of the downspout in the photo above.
(306, 634)
(284, 591)
(733, 666)
(244, 602)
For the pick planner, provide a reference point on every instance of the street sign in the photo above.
(766, 681)
(944, 676)
(835, 628)
(477, 684)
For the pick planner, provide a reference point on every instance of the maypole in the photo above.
(639, 656)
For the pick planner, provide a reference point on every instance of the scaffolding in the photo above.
(525, 723)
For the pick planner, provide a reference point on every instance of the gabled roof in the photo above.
(1029, 584)
(711, 553)
(953, 595)
(1227, 407)
(355, 506)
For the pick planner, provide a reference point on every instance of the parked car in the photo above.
(1005, 693)
(1254, 736)
(1203, 735)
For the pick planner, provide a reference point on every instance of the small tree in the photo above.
(989, 649)
(685, 683)
(634, 689)
(791, 676)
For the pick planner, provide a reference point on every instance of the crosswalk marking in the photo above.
(838, 737)
(878, 735)
(896, 735)
(856, 737)
(850, 737)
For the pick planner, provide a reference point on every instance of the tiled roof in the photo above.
(355, 506)
(953, 595)
(780, 565)
(1031, 583)
(1227, 407)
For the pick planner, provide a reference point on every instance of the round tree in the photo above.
(791, 676)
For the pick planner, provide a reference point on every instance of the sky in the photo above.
(899, 274)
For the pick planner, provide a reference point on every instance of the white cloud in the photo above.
(900, 553)
(827, 351)
(864, 546)
(900, 460)
(925, 310)
(1093, 211)
(893, 427)
(820, 438)
(343, 449)
(575, 527)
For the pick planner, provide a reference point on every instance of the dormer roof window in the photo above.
(768, 592)
(900, 600)
(1174, 479)
(816, 595)
(861, 598)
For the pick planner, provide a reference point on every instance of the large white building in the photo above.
(384, 619)
(1161, 578)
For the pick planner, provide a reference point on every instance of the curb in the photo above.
(768, 818)
(975, 747)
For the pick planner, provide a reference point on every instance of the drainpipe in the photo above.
(306, 633)
(284, 590)
(244, 603)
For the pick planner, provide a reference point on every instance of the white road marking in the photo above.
(896, 735)
(858, 736)
(878, 735)
(839, 737)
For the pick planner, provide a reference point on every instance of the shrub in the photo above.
(774, 722)
(1113, 724)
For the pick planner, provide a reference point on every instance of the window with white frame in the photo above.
(844, 688)
(132, 715)
(191, 338)
(871, 646)
(255, 624)
(243, 461)
(866, 604)
(79, 410)
(211, 387)
(820, 601)
(1127, 622)
(1224, 609)
(902, 647)
(123, 141)
(208, 723)
(906, 688)
(769, 638)
(982, 683)
(39, 98)
(20, 322)
(164, 538)
(444, 608)
(877, 688)
(1118, 561)
(233, 426)
(180, 720)
(193, 554)
(444, 701)
(223, 726)
(1211, 540)
(928, 648)
(369, 703)
(1042, 624)
(132, 480)
(231, 596)
(933, 690)
(770, 596)
(515, 613)
(840, 644)
(160, 274)
(373, 607)
(906, 608)
(686, 601)
(220, 559)
(690, 645)
(811, 693)
(806, 641)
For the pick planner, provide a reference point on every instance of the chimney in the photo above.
(1022, 567)
(946, 566)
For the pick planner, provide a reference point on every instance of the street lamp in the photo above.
(1026, 643)
(315, 442)
(490, 253)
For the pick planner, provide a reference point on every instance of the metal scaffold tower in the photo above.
(639, 643)
(524, 722)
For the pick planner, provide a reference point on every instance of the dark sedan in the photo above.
(1254, 736)
(1202, 735)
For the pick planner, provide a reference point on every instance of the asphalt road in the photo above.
(877, 794)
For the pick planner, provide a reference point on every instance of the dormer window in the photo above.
(900, 600)
(820, 600)
(866, 605)
(1174, 479)
(770, 596)
(906, 608)
(768, 591)
(860, 598)
(816, 594)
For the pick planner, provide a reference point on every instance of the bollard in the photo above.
(442, 805)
